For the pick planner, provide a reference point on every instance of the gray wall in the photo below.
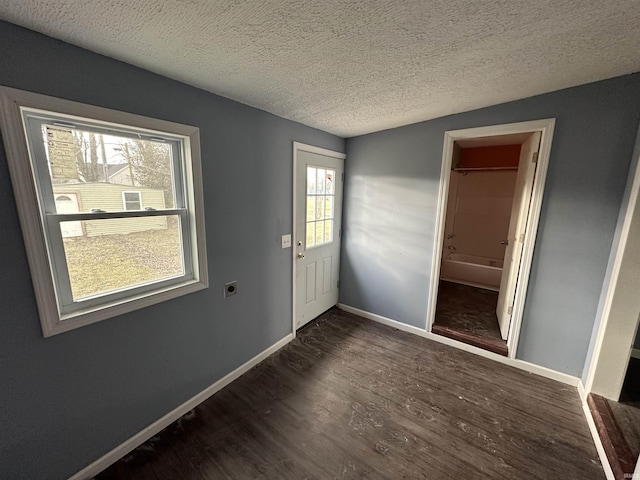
(68, 399)
(391, 190)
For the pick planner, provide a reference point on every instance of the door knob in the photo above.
(504, 242)
(300, 255)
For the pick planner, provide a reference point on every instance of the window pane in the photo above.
(311, 234)
(132, 201)
(311, 208)
(319, 233)
(321, 175)
(98, 167)
(311, 180)
(107, 255)
(328, 230)
(328, 207)
(319, 208)
(331, 174)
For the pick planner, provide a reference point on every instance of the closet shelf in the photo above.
(477, 169)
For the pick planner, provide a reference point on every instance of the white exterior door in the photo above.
(68, 203)
(517, 227)
(318, 216)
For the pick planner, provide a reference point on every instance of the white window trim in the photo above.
(22, 178)
(124, 199)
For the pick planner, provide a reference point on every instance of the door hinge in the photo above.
(340, 233)
(534, 158)
(338, 283)
(510, 310)
(522, 238)
(342, 176)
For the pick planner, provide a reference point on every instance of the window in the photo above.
(132, 200)
(95, 250)
(320, 206)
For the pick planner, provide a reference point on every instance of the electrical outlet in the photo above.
(230, 289)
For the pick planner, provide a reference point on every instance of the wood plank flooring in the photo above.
(627, 410)
(618, 423)
(468, 314)
(351, 399)
(620, 458)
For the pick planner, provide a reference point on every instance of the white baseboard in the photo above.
(514, 362)
(124, 448)
(594, 433)
(383, 320)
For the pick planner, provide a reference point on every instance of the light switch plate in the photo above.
(286, 241)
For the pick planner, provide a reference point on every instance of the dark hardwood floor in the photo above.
(468, 314)
(351, 399)
(615, 446)
(618, 423)
(627, 410)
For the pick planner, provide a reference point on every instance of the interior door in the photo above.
(516, 233)
(318, 199)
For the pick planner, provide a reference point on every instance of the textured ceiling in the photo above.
(355, 66)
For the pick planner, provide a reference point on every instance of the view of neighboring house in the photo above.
(119, 173)
(118, 193)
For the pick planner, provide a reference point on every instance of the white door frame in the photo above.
(545, 127)
(301, 147)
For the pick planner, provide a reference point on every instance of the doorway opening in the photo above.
(490, 196)
(612, 384)
(618, 423)
(626, 411)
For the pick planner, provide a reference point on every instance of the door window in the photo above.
(320, 206)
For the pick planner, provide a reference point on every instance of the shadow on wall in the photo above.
(389, 245)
